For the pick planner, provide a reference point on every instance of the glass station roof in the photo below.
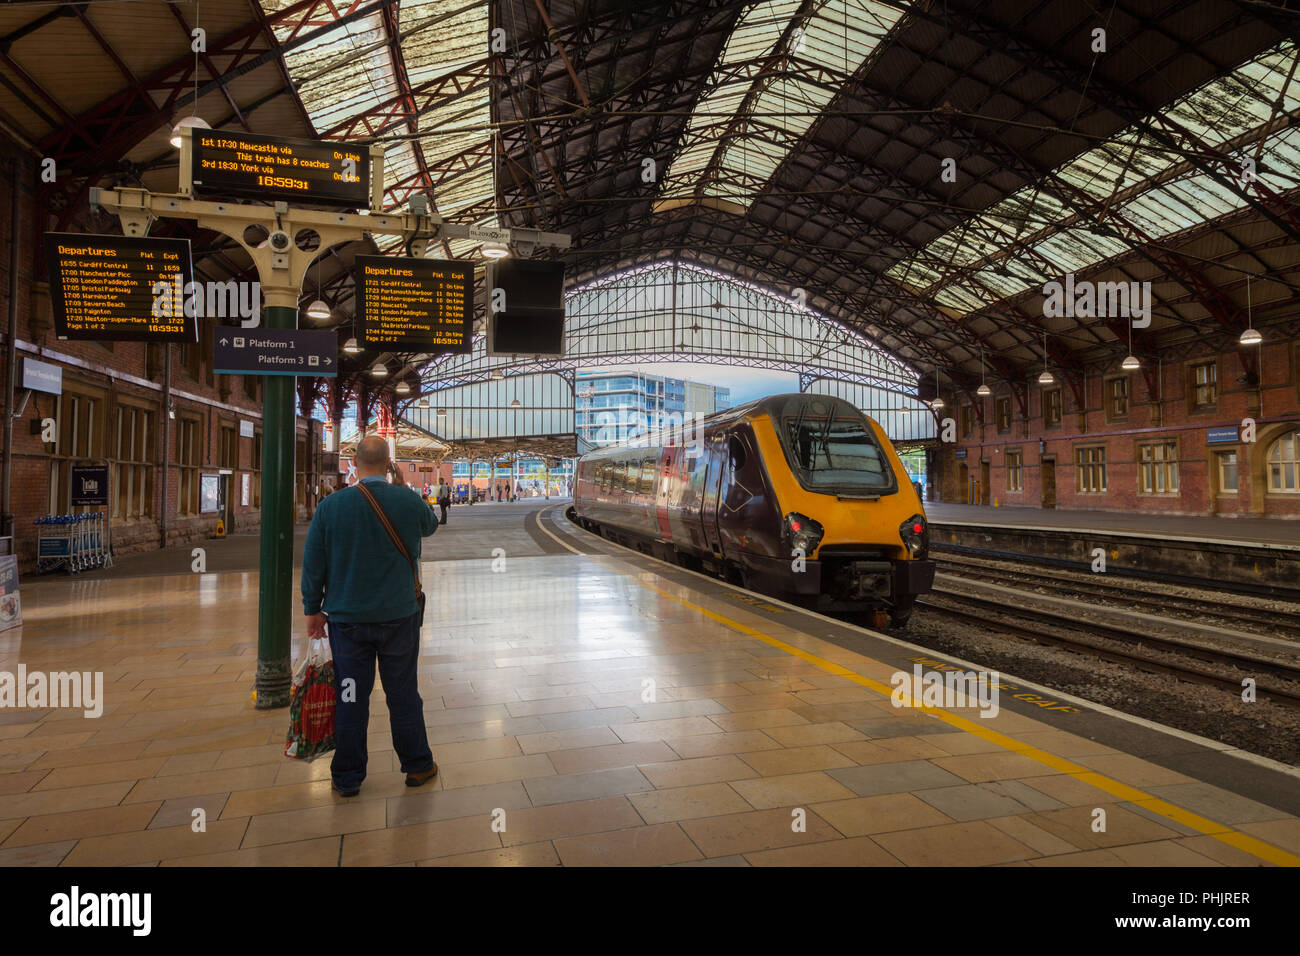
(353, 70)
(755, 107)
(1002, 252)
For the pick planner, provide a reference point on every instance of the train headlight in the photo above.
(916, 536)
(803, 533)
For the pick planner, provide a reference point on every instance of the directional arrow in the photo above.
(224, 341)
(328, 360)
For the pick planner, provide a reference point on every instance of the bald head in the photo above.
(371, 457)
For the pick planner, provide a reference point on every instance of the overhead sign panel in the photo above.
(120, 288)
(415, 305)
(525, 301)
(239, 351)
(228, 163)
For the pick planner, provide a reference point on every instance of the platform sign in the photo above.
(228, 163)
(239, 351)
(415, 305)
(42, 376)
(120, 288)
(1222, 436)
(11, 608)
(959, 453)
(89, 485)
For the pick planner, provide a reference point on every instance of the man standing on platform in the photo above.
(356, 578)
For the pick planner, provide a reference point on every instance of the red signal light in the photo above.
(918, 528)
(796, 526)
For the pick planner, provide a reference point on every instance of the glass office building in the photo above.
(614, 407)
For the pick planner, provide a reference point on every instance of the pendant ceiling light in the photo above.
(938, 402)
(380, 370)
(319, 309)
(193, 121)
(1047, 378)
(351, 347)
(983, 391)
(514, 403)
(497, 375)
(402, 388)
(1251, 335)
(1131, 361)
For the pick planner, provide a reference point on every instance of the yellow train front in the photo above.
(798, 496)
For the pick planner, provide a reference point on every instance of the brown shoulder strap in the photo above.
(392, 532)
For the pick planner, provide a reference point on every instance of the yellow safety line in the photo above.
(1221, 832)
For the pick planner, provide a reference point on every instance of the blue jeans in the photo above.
(397, 646)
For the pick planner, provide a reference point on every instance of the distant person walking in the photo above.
(356, 580)
(444, 499)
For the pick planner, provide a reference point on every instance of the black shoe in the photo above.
(350, 792)
(421, 778)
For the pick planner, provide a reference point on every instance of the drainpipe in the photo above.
(11, 355)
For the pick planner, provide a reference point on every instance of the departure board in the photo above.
(424, 305)
(120, 288)
(267, 167)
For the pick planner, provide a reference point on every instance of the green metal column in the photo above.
(275, 590)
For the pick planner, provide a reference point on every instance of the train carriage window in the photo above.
(736, 448)
(647, 483)
(620, 475)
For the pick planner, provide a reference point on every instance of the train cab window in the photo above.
(831, 448)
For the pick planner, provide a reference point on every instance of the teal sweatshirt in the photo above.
(350, 567)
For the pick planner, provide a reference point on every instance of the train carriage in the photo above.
(798, 496)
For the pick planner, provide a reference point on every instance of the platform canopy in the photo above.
(921, 170)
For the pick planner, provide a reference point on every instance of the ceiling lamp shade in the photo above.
(937, 404)
(402, 388)
(351, 347)
(319, 309)
(1046, 378)
(495, 250)
(380, 370)
(514, 403)
(1130, 363)
(442, 413)
(422, 403)
(1251, 337)
(194, 122)
(983, 391)
(497, 375)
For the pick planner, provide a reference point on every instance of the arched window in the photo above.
(1284, 464)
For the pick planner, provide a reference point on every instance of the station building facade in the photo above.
(1171, 439)
(112, 412)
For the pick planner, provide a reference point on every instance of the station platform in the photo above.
(1260, 532)
(608, 709)
(1256, 555)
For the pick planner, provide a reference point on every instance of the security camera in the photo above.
(279, 240)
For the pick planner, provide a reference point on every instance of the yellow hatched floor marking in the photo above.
(1129, 794)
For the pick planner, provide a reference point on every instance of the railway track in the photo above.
(1286, 623)
(1276, 680)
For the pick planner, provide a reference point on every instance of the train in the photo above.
(798, 496)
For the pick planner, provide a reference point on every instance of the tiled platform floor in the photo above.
(533, 682)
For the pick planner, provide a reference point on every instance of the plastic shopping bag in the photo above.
(311, 704)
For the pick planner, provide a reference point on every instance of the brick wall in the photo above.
(1161, 409)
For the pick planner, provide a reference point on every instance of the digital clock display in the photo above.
(223, 163)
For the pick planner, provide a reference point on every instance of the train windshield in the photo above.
(831, 448)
